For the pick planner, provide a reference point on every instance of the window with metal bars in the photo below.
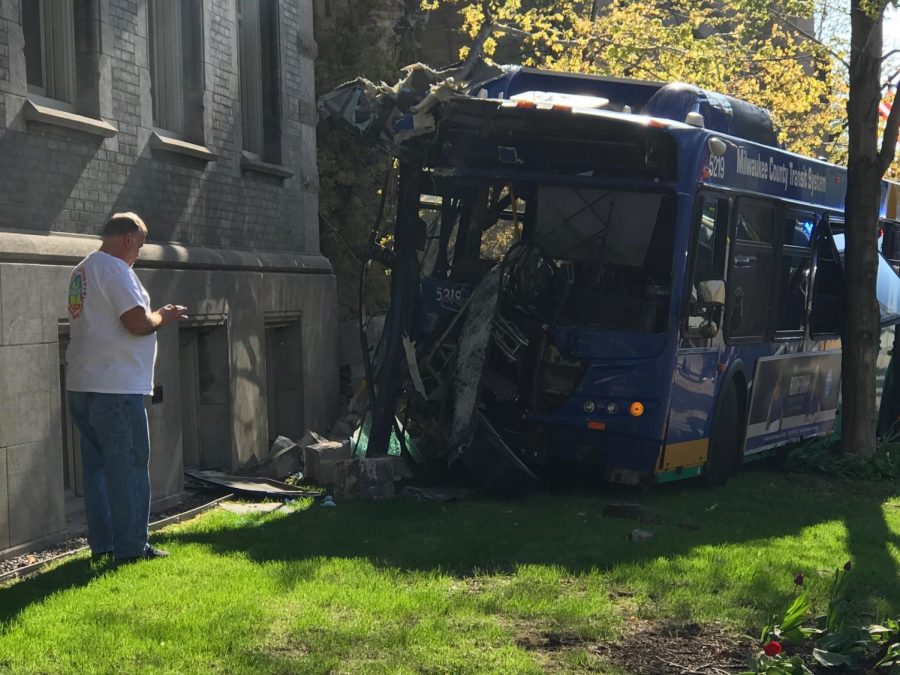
(260, 79)
(176, 67)
(49, 29)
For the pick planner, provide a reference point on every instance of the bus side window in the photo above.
(827, 307)
(707, 265)
(750, 275)
(890, 244)
(796, 264)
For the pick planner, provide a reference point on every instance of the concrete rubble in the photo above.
(332, 462)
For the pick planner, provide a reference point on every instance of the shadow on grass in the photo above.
(74, 573)
(565, 530)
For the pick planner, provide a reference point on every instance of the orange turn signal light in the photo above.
(636, 409)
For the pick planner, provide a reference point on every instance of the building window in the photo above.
(284, 378)
(205, 396)
(176, 67)
(260, 91)
(71, 439)
(49, 28)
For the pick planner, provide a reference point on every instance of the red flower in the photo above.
(848, 566)
(772, 648)
(798, 579)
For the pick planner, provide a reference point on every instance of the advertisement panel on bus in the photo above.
(794, 396)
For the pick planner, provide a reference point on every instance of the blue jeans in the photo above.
(115, 457)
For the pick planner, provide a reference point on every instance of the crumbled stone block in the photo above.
(376, 478)
(346, 479)
(319, 460)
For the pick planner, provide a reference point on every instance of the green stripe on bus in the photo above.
(671, 476)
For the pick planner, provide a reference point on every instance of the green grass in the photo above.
(410, 587)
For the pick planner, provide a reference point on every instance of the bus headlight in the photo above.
(612, 408)
(589, 407)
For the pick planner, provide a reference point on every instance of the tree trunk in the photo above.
(860, 327)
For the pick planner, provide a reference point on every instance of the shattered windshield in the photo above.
(571, 254)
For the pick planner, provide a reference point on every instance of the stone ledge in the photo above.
(35, 112)
(252, 164)
(68, 249)
(161, 143)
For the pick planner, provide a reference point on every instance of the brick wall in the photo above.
(69, 181)
(248, 254)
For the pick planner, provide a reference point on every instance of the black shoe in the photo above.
(149, 553)
(153, 552)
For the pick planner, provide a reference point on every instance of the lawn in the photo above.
(471, 586)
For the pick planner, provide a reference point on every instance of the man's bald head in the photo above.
(123, 223)
(123, 236)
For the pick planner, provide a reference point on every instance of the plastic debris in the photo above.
(640, 535)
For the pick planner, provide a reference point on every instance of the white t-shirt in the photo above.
(103, 356)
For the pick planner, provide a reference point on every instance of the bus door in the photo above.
(701, 339)
(826, 309)
(887, 377)
(795, 392)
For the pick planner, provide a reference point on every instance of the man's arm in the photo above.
(139, 321)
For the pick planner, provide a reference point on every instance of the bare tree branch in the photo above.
(892, 77)
(788, 22)
(511, 30)
(477, 49)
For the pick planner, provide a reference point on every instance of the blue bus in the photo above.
(629, 276)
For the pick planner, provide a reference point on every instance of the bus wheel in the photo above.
(725, 439)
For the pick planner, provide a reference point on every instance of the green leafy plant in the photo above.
(772, 660)
(823, 456)
(789, 624)
(840, 640)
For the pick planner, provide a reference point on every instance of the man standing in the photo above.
(112, 350)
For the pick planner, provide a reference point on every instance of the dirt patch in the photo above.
(678, 648)
(648, 648)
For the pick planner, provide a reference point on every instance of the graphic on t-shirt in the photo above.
(77, 293)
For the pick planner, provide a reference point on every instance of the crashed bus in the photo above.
(630, 277)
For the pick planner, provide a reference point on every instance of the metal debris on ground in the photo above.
(249, 484)
(436, 494)
(640, 535)
(285, 458)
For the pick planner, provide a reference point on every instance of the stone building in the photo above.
(199, 115)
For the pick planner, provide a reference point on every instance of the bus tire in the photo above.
(725, 439)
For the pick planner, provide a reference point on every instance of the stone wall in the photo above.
(234, 240)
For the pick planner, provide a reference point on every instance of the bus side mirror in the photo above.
(708, 297)
(711, 292)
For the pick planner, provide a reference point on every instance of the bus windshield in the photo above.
(575, 254)
(619, 247)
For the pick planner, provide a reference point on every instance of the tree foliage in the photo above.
(751, 49)
(360, 41)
